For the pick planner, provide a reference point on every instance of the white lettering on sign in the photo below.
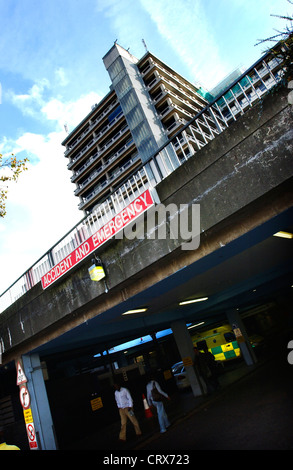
(82, 251)
(111, 228)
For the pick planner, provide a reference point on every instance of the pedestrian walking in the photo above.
(207, 368)
(212, 379)
(202, 370)
(125, 405)
(155, 398)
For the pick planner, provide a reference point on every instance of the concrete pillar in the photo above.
(39, 402)
(185, 347)
(241, 336)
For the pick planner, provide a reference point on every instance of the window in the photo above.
(115, 113)
(229, 336)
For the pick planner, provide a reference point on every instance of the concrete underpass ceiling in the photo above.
(251, 271)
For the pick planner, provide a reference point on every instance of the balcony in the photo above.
(176, 125)
(91, 126)
(173, 107)
(82, 186)
(114, 176)
(180, 82)
(78, 157)
(88, 163)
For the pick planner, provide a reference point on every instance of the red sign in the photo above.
(24, 397)
(21, 377)
(109, 230)
(31, 434)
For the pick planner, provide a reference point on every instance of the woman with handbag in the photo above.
(155, 398)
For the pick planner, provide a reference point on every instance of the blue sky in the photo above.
(51, 73)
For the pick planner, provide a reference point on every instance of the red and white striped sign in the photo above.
(109, 230)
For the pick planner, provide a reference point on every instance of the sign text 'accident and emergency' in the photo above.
(109, 230)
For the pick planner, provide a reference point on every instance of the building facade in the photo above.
(147, 104)
(151, 121)
(150, 108)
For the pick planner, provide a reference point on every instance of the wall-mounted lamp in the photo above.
(97, 272)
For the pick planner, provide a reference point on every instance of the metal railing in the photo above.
(226, 108)
(90, 127)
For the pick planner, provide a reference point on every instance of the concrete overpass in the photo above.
(243, 183)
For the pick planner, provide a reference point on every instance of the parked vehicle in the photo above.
(221, 342)
(179, 373)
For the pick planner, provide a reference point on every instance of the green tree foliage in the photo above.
(283, 49)
(11, 169)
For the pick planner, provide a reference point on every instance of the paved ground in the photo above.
(253, 410)
(255, 413)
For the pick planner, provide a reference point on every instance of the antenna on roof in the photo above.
(145, 46)
(66, 128)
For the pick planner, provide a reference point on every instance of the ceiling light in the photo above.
(193, 326)
(283, 234)
(186, 302)
(135, 310)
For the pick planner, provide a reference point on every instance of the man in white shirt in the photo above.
(125, 405)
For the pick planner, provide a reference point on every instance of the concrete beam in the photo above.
(241, 179)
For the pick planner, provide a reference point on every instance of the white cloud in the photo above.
(183, 25)
(127, 22)
(61, 77)
(41, 206)
(45, 189)
(30, 102)
(39, 103)
(70, 112)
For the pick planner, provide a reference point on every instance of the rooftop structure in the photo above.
(147, 104)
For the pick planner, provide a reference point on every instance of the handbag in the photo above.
(156, 396)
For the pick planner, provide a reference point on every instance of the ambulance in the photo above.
(221, 342)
